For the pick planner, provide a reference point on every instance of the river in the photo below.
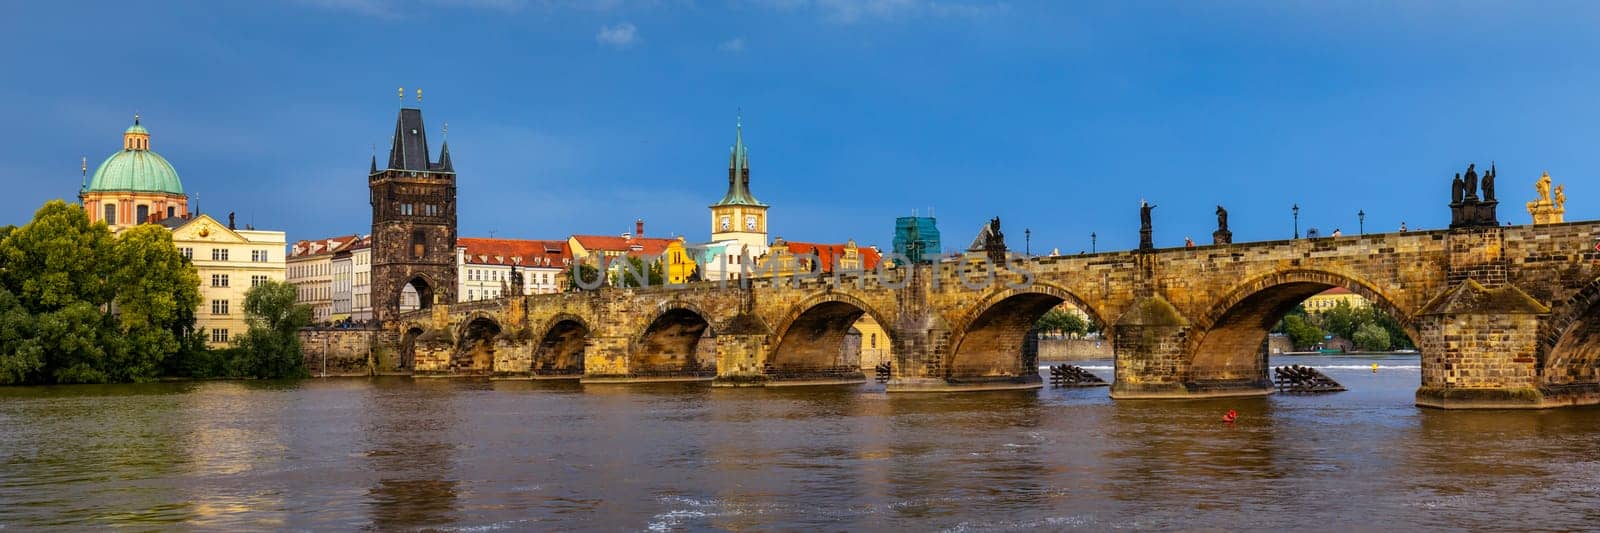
(402, 454)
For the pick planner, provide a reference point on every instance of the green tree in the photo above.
(57, 260)
(271, 347)
(156, 291)
(584, 270)
(1371, 337)
(1342, 319)
(625, 274)
(1301, 332)
(1398, 339)
(21, 356)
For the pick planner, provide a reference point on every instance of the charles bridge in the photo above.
(1504, 316)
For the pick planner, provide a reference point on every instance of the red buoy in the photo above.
(1231, 416)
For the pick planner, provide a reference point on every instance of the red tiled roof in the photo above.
(827, 252)
(310, 248)
(521, 252)
(1334, 291)
(610, 243)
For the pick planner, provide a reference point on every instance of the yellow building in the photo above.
(679, 264)
(230, 262)
(875, 344)
(1328, 299)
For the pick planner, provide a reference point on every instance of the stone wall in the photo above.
(1074, 349)
(347, 352)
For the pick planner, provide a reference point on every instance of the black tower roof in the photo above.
(410, 150)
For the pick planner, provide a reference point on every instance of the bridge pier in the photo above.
(1480, 350)
(740, 359)
(1152, 343)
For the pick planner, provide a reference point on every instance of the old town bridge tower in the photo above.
(413, 223)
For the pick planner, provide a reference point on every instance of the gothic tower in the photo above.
(739, 216)
(413, 223)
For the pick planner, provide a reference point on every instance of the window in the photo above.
(256, 281)
(110, 213)
(219, 254)
(172, 211)
(472, 295)
(188, 253)
(144, 214)
(874, 340)
(219, 307)
(406, 209)
(258, 256)
(219, 335)
(431, 210)
(419, 245)
(219, 280)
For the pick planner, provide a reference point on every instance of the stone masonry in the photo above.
(1504, 317)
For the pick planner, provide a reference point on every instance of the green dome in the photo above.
(136, 128)
(136, 170)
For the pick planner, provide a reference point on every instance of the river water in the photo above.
(400, 454)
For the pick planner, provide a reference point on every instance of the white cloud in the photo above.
(621, 36)
(735, 44)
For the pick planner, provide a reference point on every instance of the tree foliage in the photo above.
(1301, 332)
(79, 305)
(1060, 321)
(1372, 337)
(271, 347)
(629, 270)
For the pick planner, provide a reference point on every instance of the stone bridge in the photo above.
(1503, 317)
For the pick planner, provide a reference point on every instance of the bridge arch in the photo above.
(563, 341)
(989, 339)
(670, 343)
(406, 359)
(1569, 344)
(811, 339)
(475, 344)
(1229, 335)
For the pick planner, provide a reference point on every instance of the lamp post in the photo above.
(1361, 216)
(1296, 221)
(1027, 241)
(1092, 239)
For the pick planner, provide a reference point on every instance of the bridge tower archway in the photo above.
(416, 293)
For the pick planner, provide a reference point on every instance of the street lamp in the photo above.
(1296, 221)
(1027, 241)
(1092, 238)
(1362, 217)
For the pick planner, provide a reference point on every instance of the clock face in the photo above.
(750, 223)
(724, 223)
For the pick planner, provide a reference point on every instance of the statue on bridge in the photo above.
(1146, 242)
(1466, 209)
(1488, 184)
(1548, 210)
(1222, 235)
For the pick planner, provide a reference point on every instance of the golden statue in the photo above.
(1546, 210)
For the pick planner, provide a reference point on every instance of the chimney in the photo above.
(638, 227)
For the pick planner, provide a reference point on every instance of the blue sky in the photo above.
(578, 117)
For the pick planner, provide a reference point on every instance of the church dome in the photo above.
(136, 168)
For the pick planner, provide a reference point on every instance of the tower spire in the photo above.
(84, 169)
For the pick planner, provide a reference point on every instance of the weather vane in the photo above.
(402, 94)
(419, 96)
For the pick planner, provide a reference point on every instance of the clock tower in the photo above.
(739, 216)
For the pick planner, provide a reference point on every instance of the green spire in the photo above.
(739, 170)
(740, 157)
